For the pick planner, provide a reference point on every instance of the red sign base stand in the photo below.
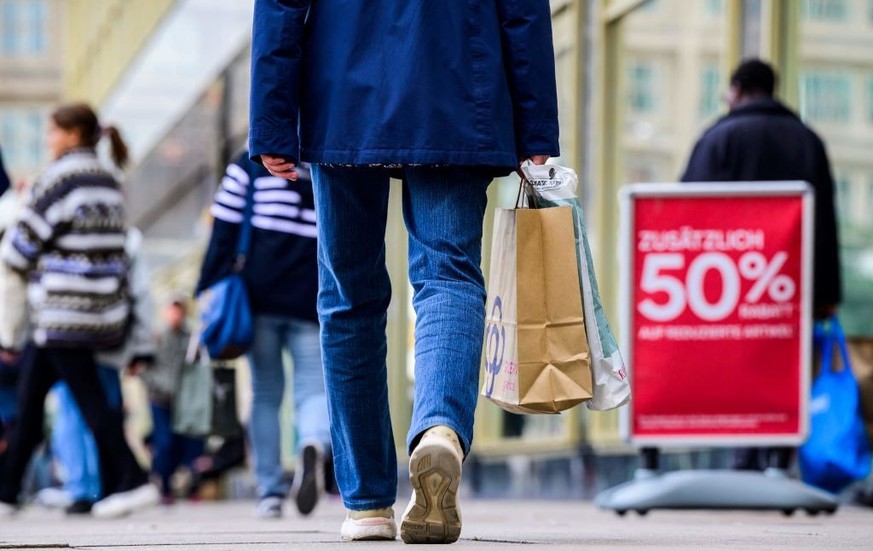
(716, 489)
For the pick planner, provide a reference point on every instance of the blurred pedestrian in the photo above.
(4, 177)
(72, 443)
(64, 263)
(170, 450)
(446, 96)
(761, 139)
(281, 276)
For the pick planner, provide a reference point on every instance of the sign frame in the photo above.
(627, 270)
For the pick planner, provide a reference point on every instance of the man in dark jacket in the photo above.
(446, 95)
(761, 139)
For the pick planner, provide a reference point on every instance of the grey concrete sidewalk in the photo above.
(487, 525)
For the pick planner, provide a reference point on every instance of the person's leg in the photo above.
(37, 378)
(119, 470)
(351, 207)
(77, 456)
(310, 400)
(444, 210)
(162, 446)
(310, 411)
(268, 389)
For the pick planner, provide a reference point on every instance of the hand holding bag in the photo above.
(227, 329)
(837, 452)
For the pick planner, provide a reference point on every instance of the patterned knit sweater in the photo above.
(68, 242)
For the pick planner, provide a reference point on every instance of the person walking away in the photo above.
(281, 278)
(170, 450)
(72, 443)
(447, 96)
(760, 139)
(64, 263)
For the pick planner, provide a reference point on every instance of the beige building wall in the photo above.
(102, 38)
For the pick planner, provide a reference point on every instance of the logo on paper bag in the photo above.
(495, 345)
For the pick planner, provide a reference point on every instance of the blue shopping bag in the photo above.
(227, 327)
(837, 452)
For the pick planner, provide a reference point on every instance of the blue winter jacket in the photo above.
(435, 82)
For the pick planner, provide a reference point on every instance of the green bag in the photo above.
(193, 403)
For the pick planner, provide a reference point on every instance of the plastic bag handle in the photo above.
(525, 185)
(830, 331)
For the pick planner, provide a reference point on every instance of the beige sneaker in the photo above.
(435, 472)
(375, 524)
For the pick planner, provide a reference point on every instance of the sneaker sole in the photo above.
(435, 473)
(309, 493)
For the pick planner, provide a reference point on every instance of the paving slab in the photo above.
(219, 526)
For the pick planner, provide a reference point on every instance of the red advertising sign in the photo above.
(716, 312)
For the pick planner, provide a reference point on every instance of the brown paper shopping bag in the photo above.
(536, 353)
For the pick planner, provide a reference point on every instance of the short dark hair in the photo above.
(754, 76)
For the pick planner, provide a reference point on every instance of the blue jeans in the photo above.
(443, 209)
(273, 334)
(72, 441)
(170, 450)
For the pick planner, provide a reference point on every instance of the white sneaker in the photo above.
(375, 525)
(435, 472)
(124, 503)
(269, 507)
(54, 498)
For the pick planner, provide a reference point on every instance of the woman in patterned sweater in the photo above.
(65, 254)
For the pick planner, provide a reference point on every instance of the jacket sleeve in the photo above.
(277, 49)
(29, 234)
(227, 213)
(529, 59)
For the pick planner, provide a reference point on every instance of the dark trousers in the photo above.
(119, 470)
(170, 450)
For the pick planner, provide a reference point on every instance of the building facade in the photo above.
(30, 80)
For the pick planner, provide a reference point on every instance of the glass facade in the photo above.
(23, 27)
(836, 99)
(22, 131)
(825, 10)
(826, 96)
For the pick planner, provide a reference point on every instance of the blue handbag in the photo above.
(837, 452)
(226, 323)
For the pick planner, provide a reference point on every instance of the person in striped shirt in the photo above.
(281, 277)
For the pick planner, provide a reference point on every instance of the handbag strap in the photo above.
(243, 243)
(828, 333)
